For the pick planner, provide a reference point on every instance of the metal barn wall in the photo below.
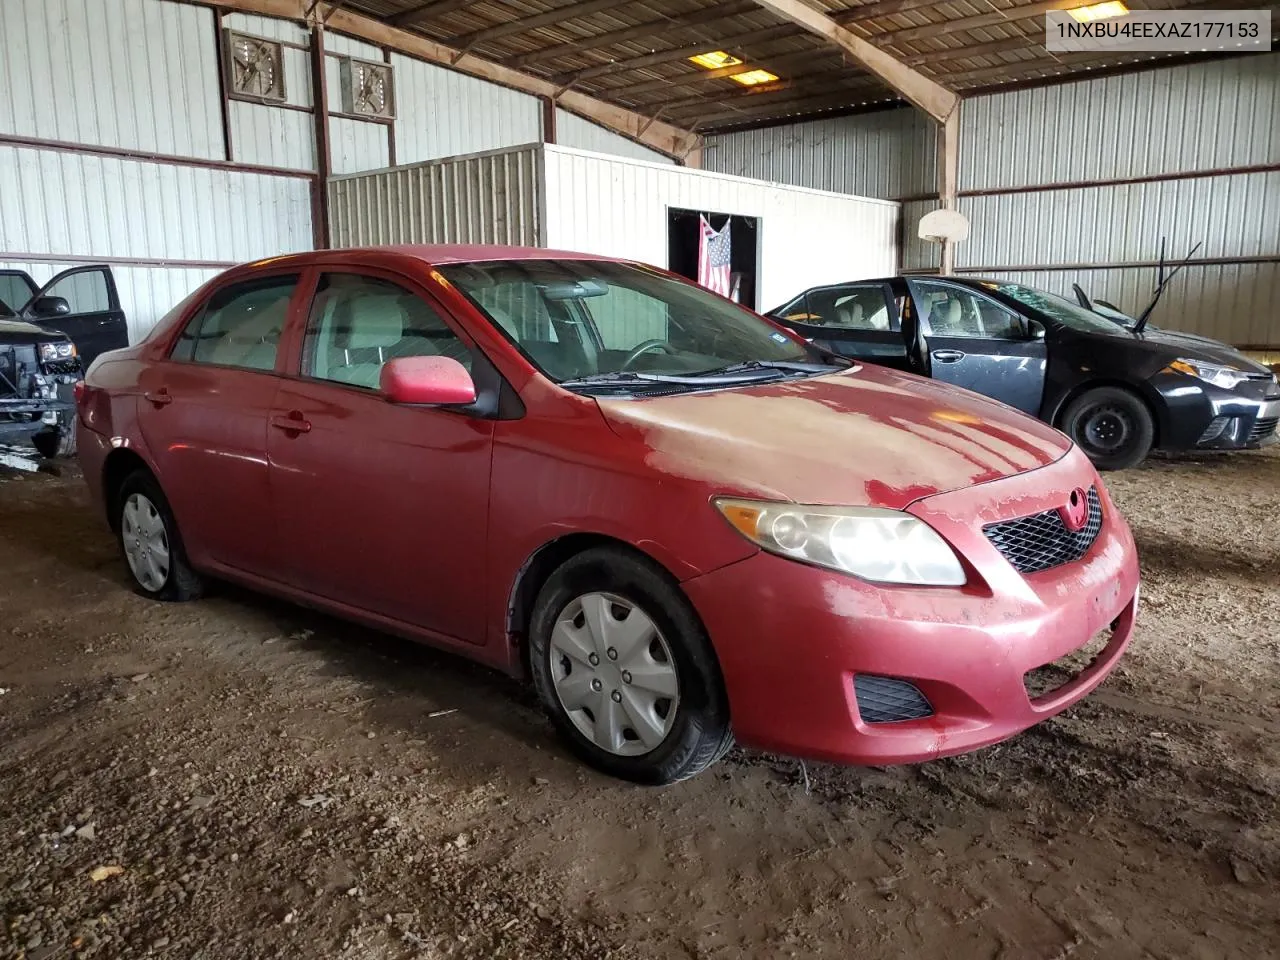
(354, 144)
(889, 153)
(618, 207)
(1081, 180)
(162, 227)
(276, 136)
(107, 157)
(574, 131)
(483, 198)
(443, 113)
(67, 75)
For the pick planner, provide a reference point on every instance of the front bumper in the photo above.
(1204, 417)
(791, 638)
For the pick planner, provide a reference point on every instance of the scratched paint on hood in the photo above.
(867, 436)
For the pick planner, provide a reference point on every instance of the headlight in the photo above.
(1228, 378)
(885, 546)
(49, 352)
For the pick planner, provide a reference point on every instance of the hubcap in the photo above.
(614, 674)
(146, 542)
(1105, 429)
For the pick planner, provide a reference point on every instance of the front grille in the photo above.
(1048, 679)
(1263, 428)
(1042, 541)
(886, 700)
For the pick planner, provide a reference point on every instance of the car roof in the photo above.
(440, 253)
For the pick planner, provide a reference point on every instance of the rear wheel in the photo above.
(151, 543)
(623, 667)
(1112, 426)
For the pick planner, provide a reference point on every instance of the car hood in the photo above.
(1194, 347)
(868, 436)
(18, 331)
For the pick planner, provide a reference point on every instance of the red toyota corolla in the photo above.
(681, 523)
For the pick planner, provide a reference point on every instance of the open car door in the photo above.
(856, 320)
(16, 288)
(82, 303)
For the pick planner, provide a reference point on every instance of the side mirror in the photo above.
(43, 307)
(438, 381)
(1037, 331)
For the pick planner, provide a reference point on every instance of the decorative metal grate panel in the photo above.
(1042, 540)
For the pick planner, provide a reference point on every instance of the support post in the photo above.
(948, 177)
(320, 101)
(548, 120)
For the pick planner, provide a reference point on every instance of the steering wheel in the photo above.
(641, 349)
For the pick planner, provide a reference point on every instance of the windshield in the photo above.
(1056, 308)
(579, 319)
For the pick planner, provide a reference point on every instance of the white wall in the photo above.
(270, 135)
(574, 131)
(618, 207)
(443, 113)
(76, 71)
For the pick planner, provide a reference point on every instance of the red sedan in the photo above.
(682, 523)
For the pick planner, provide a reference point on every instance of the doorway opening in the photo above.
(744, 249)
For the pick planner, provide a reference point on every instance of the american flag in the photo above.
(713, 257)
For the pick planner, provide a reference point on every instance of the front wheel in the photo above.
(1112, 426)
(624, 668)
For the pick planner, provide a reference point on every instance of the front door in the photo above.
(976, 343)
(856, 320)
(203, 413)
(92, 318)
(16, 288)
(380, 507)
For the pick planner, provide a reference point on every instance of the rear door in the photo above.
(977, 343)
(16, 288)
(857, 320)
(204, 411)
(93, 318)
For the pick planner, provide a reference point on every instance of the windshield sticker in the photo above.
(781, 338)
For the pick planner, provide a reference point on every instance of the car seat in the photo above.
(374, 327)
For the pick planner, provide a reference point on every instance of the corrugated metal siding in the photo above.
(273, 137)
(110, 206)
(1235, 303)
(890, 153)
(618, 207)
(485, 198)
(74, 70)
(270, 27)
(1203, 116)
(356, 145)
(919, 254)
(350, 47)
(1234, 216)
(442, 113)
(146, 293)
(573, 131)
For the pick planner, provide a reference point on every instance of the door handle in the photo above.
(947, 356)
(160, 397)
(292, 423)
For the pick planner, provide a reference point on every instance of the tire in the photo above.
(1112, 425)
(58, 442)
(682, 734)
(140, 504)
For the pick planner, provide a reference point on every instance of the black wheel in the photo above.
(151, 542)
(624, 668)
(1112, 426)
(59, 441)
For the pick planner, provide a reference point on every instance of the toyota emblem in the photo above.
(1076, 512)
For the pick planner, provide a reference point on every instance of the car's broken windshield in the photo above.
(585, 321)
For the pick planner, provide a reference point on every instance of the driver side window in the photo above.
(955, 311)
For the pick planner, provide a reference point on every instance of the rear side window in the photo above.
(240, 326)
(15, 291)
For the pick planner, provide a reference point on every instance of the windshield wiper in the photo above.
(794, 366)
(726, 375)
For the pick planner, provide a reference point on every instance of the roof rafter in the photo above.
(558, 15)
(930, 96)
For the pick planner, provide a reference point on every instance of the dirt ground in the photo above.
(260, 781)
